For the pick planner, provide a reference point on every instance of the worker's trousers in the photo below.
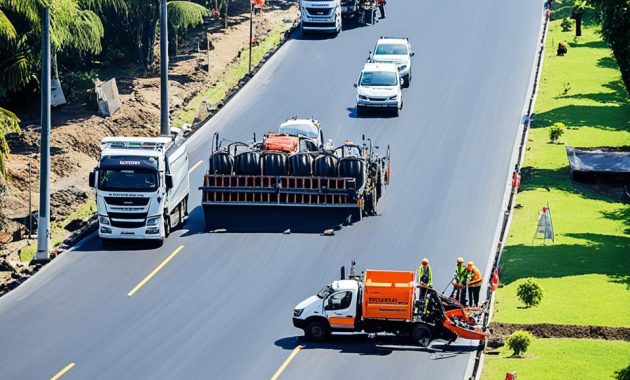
(473, 295)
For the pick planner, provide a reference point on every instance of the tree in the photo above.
(8, 123)
(579, 7)
(530, 293)
(615, 16)
(183, 15)
(519, 342)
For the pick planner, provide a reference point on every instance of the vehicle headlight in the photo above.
(103, 220)
(363, 97)
(297, 312)
(393, 97)
(154, 220)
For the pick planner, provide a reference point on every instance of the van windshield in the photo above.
(325, 292)
(391, 49)
(378, 78)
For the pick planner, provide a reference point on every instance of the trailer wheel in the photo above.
(370, 202)
(316, 331)
(421, 335)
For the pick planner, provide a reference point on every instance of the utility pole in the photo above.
(43, 228)
(30, 200)
(165, 129)
(251, 24)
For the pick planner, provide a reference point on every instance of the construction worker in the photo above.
(474, 284)
(459, 281)
(425, 277)
(381, 7)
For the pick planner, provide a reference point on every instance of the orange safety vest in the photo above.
(476, 278)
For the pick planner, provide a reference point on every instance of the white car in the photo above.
(395, 50)
(308, 129)
(379, 87)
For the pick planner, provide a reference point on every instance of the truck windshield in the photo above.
(378, 78)
(325, 292)
(391, 49)
(127, 180)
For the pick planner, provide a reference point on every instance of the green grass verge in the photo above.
(551, 359)
(233, 75)
(57, 231)
(585, 273)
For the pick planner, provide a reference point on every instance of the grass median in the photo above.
(551, 359)
(585, 272)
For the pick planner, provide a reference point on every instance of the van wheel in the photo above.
(421, 335)
(316, 331)
(185, 203)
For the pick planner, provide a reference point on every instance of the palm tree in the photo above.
(183, 15)
(9, 122)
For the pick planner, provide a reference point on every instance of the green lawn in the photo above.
(561, 359)
(585, 274)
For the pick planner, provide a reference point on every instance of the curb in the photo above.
(507, 215)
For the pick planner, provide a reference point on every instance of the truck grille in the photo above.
(127, 224)
(126, 201)
(127, 215)
(319, 11)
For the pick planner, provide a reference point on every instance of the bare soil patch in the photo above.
(546, 330)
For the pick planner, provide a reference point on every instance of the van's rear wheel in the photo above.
(167, 225)
(317, 331)
(421, 335)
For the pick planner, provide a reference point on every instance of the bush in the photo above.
(566, 25)
(530, 293)
(563, 48)
(519, 342)
(623, 374)
(556, 131)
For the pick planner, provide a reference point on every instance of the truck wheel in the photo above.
(167, 225)
(421, 335)
(316, 331)
(185, 203)
(370, 202)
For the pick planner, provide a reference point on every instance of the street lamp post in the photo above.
(43, 228)
(251, 22)
(165, 129)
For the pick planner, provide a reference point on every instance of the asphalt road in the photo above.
(222, 307)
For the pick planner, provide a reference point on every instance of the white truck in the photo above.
(142, 186)
(323, 16)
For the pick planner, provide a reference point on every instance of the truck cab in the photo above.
(334, 308)
(142, 187)
(308, 130)
(321, 16)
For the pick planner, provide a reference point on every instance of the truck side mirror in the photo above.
(355, 85)
(92, 179)
(168, 181)
(412, 54)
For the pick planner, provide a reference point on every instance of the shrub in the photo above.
(562, 48)
(566, 24)
(519, 342)
(556, 131)
(530, 293)
(623, 374)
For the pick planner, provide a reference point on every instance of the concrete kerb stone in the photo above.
(517, 160)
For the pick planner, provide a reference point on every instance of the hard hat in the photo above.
(460, 260)
(470, 265)
(425, 261)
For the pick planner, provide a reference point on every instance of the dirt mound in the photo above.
(547, 330)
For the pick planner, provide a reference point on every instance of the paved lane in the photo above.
(221, 308)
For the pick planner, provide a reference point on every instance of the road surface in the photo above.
(221, 307)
